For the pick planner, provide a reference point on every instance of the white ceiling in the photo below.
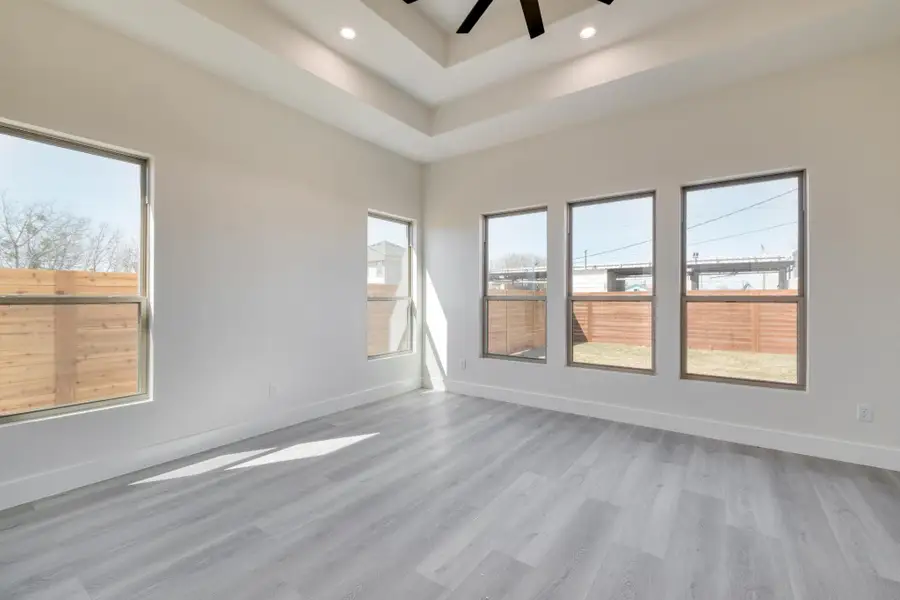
(410, 84)
(448, 14)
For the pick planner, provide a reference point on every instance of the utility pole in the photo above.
(585, 260)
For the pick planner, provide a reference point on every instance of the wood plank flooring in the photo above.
(459, 498)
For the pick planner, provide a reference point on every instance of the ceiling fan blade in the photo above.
(474, 15)
(533, 18)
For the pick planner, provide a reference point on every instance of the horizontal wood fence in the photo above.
(517, 326)
(67, 354)
(387, 325)
(628, 323)
(59, 355)
(769, 328)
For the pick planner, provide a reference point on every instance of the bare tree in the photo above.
(128, 257)
(21, 230)
(517, 260)
(107, 251)
(37, 236)
(61, 246)
(100, 244)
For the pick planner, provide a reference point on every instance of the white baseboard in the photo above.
(438, 384)
(799, 443)
(50, 483)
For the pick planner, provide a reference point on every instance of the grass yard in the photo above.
(780, 368)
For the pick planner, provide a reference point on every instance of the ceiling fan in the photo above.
(530, 8)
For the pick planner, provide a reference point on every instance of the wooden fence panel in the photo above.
(613, 322)
(64, 354)
(57, 355)
(381, 337)
(387, 327)
(516, 326)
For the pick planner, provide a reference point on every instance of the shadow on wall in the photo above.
(432, 351)
(434, 328)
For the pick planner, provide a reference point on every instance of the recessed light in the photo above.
(588, 32)
(348, 33)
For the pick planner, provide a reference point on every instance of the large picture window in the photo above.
(744, 281)
(73, 275)
(611, 283)
(514, 299)
(389, 286)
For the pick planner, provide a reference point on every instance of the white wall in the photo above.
(841, 121)
(260, 251)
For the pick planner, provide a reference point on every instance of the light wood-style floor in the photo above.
(462, 498)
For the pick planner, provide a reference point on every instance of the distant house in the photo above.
(387, 263)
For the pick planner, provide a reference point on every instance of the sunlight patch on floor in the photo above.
(304, 450)
(204, 466)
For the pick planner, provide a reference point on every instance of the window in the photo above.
(744, 290)
(514, 301)
(73, 275)
(611, 283)
(389, 310)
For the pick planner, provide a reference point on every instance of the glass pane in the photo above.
(517, 328)
(70, 221)
(613, 334)
(517, 254)
(743, 237)
(752, 340)
(388, 327)
(388, 274)
(612, 247)
(55, 356)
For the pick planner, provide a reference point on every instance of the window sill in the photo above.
(533, 361)
(72, 410)
(613, 368)
(391, 355)
(795, 387)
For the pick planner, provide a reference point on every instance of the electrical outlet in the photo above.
(864, 413)
(462, 364)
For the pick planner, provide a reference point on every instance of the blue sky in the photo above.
(620, 232)
(517, 234)
(776, 214)
(99, 188)
(108, 190)
(381, 230)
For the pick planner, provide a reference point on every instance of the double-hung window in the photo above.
(514, 286)
(389, 286)
(744, 281)
(74, 325)
(611, 283)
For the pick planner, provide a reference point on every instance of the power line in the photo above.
(619, 248)
(734, 235)
(740, 210)
(720, 217)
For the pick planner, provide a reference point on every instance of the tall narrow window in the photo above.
(389, 310)
(611, 283)
(73, 275)
(744, 289)
(514, 301)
